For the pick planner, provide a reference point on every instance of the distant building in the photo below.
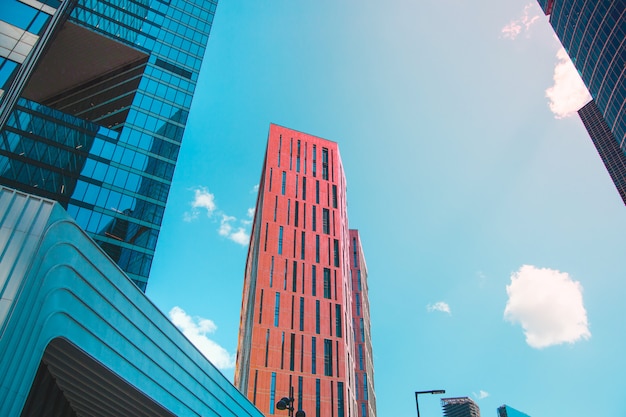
(594, 35)
(506, 411)
(78, 338)
(459, 407)
(303, 304)
(94, 98)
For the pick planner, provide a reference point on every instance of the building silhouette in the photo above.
(507, 411)
(459, 407)
(594, 35)
(94, 98)
(298, 321)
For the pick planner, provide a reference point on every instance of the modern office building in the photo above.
(594, 35)
(459, 407)
(78, 338)
(297, 334)
(94, 97)
(507, 411)
(363, 353)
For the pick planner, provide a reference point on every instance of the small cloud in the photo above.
(514, 28)
(251, 212)
(569, 93)
(203, 200)
(255, 189)
(439, 306)
(239, 235)
(549, 306)
(481, 395)
(196, 330)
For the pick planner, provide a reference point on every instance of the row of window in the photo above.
(328, 289)
(337, 322)
(328, 221)
(299, 399)
(299, 152)
(300, 191)
(335, 258)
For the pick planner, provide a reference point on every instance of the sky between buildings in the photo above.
(492, 231)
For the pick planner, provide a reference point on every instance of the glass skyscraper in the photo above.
(594, 35)
(507, 411)
(94, 97)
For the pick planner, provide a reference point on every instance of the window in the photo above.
(282, 350)
(365, 387)
(314, 161)
(277, 309)
(256, 376)
(327, 283)
(334, 196)
(265, 239)
(300, 393)
(296, 213)
(358, 274)
(291, 154)
(304, 188)
(261, 307)
(275, 207)
(284, 183)
(317, 192)
(313, 355)
(280, 145)
(328, 357)
(294, 277)
(325, 221)
(272, 392)
(317, 316)
(292, 351)
(298, 158)
(280, 240)
(338, 320)
(360, 357)
(340, 412)
(272, 272)
(354, 252)
(317, 248)
(362, 330)
(302, 248)
(314, 218)
(324, 163)
(313, 280)
(336, 252)
(267, 345)
(297, 183)
(301, 313)
(270, 186)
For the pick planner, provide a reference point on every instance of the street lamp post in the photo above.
(286, 403)
(436, 391)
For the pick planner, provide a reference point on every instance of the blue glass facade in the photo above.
(506, 411)
(93, 114)
(594, 35)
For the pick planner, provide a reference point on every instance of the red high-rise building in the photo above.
(296, 333)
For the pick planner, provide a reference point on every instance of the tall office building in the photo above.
(297, 333)
(94, 97)
(594, 35)
(363, 353)
(507, 411)
(459, 407)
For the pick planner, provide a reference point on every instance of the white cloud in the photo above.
(255, 189)
(530, 15)
(239, 235)
(549, 306)
(251, 212)
(196, 330)
(439, 306)
(203, 200)
(569, 93)
(481, 394)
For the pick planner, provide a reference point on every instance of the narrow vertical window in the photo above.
(330, 318)
(265, 239)
(296, 213)
(304, 215)
(261, 308)
(302, 247)
(313, 280)
(338, 326)
(358, 274)
(362, 330)
(256, 376)
(282, 351)
(291, 154)
(334, 196)
(328, 357)
(317, 192)
(317, 248)
(294, 244)
(280, 240)
(358, 303)
(317, 316)
(298, 158)
(302, 353)
(324, 163)
(297, 183)
(299, 393)
(314, 218)
(354, 252)
(275, 207)
(303, 268)
(284, 183)
(293, 302)
(272, 272)
(272, 392)
(277, 309)
(288, 211)
(280, 146)
(337, 353)
(313, 355)
(325, 221)
(285, 275)
(365, 387)
(340, 411)
(326, 283)
(294, 277)
(292, 352)
(332, 398)
(304, 188)
(301, 314)
(314, 161)
(270, 186)
(336, 252)
(267, 345)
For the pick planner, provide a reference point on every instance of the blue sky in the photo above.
(492, 231)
